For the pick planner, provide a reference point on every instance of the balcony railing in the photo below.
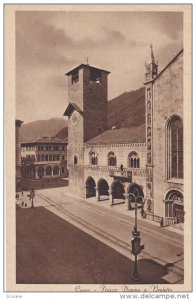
(28, 159)
(169, 221)
(115, 171)
(125, 173)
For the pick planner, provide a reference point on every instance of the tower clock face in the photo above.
(75, 119)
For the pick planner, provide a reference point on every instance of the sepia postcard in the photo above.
(98, 139)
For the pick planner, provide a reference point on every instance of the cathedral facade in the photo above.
(142, 163)
(164, 140)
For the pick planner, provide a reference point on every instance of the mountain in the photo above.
(33, 130)
(127, 110)
(63, 133)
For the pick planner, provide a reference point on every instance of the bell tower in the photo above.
(87, 117)
(151, 72)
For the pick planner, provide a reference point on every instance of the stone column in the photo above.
(36, 173)
(59, 171)
(44, 171)
(85, 187)
(52, 172)
(97, 193)
(111, 197)
(126, 201)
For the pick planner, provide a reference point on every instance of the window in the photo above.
(46, 157)
(111, 159)
(95, 75)
(42, 157)
(54, 157)
(63, 170)
(38, 158)
(93, 158)
(50, 157)
(75, 76)
(63, 157)
(175, 148)
(57, 157)
(133, 160)
(75, 160)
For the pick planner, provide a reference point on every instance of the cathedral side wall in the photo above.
(168, 101)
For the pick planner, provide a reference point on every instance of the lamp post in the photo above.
(136, 247)
(32, 195)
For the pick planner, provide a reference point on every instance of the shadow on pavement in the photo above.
(50, 250)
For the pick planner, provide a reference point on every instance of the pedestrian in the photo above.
(121, 169)
(32, 195)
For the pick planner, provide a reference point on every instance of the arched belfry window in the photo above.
(133, 160)
(93, 158)
(175, 148)
(111, 159)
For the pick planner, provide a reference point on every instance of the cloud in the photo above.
(38, 43)
(171, 23)
(48, 44)
(167, 23)
(114, 36)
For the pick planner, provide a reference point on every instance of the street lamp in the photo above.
(136, 247)
(32, 195)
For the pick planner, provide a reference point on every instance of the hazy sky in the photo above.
(48, 44)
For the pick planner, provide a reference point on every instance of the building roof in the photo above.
(70, 108)
(18, 122)
(47, 140)
(170, 62)
(136, 134)
(82, 66)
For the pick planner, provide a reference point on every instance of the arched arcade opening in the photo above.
(103, 188)
(118, 190)
(40, 172)
(90, 187)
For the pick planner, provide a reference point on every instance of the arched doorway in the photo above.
(90, 187)
(32, 172)
(174, 206)
(56, 170)
(40, 172)
(103, 188)
(48, 171)
(118, 190)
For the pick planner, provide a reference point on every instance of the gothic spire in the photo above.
(152, 55)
